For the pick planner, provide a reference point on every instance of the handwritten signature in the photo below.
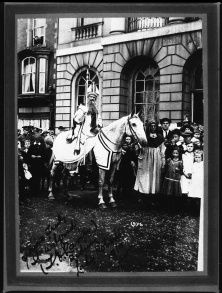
(81, 251)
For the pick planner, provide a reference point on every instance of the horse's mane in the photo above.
(123, 120)
(115, 123)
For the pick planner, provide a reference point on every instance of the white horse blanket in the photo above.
(64, 151)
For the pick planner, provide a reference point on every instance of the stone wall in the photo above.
(170, 54)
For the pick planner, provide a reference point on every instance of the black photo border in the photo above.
(207, 281)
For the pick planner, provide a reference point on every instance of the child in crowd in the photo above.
(196, 136)
(196, 188)
(188, 160)
(127, 169)
(187, 133)
(173, 171)
(25, 153)
(175, 140)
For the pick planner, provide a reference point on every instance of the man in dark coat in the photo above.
(36, 152)
(164, 130)
(26, 135)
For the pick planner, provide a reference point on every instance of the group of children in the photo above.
(183, 170)
(183, 173)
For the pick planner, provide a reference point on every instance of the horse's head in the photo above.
(134, 128)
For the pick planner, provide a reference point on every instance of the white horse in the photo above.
(107, 148)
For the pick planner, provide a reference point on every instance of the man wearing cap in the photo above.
(164, 130)
(88, 114)
(25, 136)
(38, 134)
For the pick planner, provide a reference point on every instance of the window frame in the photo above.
(93, 87)
(37, 58)
(147, 95)
(23, 73)
(35, 27)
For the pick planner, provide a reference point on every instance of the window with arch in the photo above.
(34, 75)
(28, 75)
(147, 92)
(88, 81)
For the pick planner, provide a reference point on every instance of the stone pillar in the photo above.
(118, 26)
(174, 20)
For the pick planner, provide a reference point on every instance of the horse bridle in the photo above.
(135, 137)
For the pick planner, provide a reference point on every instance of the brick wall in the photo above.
(21, 34)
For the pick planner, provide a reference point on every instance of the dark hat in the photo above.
(49, 142)
(37, 129)
(28, 127)
(165, 119)
(186, 130)
(175, 131)
(45, 132)
(197, 130)
(61, 128)
(51, 128)
(38, 138)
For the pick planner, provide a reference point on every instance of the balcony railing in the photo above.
(87, 31)
(145, 23)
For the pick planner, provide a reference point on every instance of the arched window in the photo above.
(34, 75)
(28, 75)
(147, 92)
(87, 82)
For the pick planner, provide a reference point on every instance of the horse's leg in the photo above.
(101, 184)
(52, 182)
(110, 186)
(82, 171)
(65, 177)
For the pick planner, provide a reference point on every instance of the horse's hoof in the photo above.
(113, 205)
(102, 206)
(51, 197)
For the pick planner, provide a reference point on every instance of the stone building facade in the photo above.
(36, 74)
(150, 64)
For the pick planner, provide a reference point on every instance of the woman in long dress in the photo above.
(151, 162)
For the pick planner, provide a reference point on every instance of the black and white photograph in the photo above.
(112, 160)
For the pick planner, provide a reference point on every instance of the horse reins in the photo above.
(135, 137)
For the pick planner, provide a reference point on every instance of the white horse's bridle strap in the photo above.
(132, 131)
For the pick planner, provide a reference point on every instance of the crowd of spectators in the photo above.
(169, 169)
(170, 166)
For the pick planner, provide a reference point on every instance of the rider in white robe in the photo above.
(85, 115)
